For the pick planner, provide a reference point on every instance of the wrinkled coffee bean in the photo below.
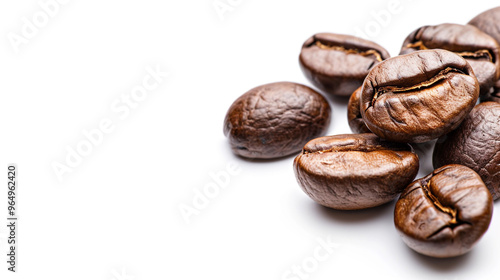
(354, 117)
(475, 144)
(445, 213)
(419, 96)
(488, 22)
(276, 120)
(336, 63)
(477, 47)
(354, 171)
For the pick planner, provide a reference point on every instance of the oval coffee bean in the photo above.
(276, 120)
(336, 63)
(488, 22)
(475, 144)
(354, 117)
(354, 171)
(445, 213)
(477, 47)
(419, 96)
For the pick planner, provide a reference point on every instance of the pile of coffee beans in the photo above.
(430, 91)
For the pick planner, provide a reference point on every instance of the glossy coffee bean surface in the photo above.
(354, 171)
(336, 63)
(354, 117)
(488, 22)
(276, 120)
(445, 213)
(475, 144)
(479, 49)
(419, 96)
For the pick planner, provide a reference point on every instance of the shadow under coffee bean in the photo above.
(354, 117)
(494, 95)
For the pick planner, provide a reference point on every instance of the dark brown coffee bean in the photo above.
(475, 144)
(445, 213)
(488, 22)
(337, 64)
(354, 171)
(477, 47)
(419, 96)
(275, 120)
(354, 117)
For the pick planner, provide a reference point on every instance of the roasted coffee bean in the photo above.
(354, 117)
(419, 96)
(337, 64)
(445, 213)
(354, 171)
(488, 22)
(276, 120)
(477, 47)
(494, 95)
(475, 144)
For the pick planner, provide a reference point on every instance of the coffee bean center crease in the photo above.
(323, 46)
(478, 54)
(454, 222)
(379, 91)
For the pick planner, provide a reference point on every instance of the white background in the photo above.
(116, 214)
